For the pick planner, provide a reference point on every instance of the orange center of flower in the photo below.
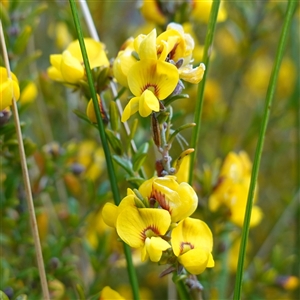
(149, 232)
(185, 246)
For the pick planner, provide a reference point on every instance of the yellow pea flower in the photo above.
(143, 228)
(175, 44)
(179, 44)
(68, 67)
(152, 12)
(192, 244)
(150, 81)
(232, 189)
(9, 88)
(108, 294)
(180, 200)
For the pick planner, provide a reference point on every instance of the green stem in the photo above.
(182, 290)
(258, 153)
(109, 162)
(207, 52)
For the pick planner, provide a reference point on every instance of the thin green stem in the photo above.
(109, 163)
(258, 153)
(206, 56)
(31, 210)
(182, 290)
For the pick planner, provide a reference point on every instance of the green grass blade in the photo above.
(269, 97)
(109, 163)
(206, 56)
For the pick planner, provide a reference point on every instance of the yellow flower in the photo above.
(9, 88)
(192, 75)
(174, 44)
(180, 200)
(143, 228)
(150, 81)
(29, 93)
(151, 11)
(68, 67)
(232, 189)
(192, 243)
(178, 44)
(201, 10)
(109, 294)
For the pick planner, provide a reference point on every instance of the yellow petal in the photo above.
(71, 68)
(95, 51)
(155, 246)
(189, 202)
(148, 103)
(133, 224)
(123, 62)
(131, 108)
(192, 75)
(147, 49)
(55, 60)
(192, 231)
(160, 77)
(151, 12)
(195, 261)
(9, 88)
(55, 74)
(29, 93)
(180, 200)
(109, 294)
(109, 214)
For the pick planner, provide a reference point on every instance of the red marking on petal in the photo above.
(150, 231)
(184, 245)
(161, 199)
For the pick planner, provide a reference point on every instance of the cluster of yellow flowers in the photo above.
(152, 67)
(156, 218)
(232, 189)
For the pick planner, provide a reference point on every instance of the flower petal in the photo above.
(147, 49)
(160, 76)
(148, 103)
(109, 214)
(133, 223)
(71, 68)
(192, 231)
(195, 261)
(95, 51)
(192, 75)
(155, 246)
(131, 108)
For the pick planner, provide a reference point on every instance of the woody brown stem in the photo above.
(33, 223)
